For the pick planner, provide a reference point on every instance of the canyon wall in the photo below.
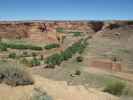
(24, 29)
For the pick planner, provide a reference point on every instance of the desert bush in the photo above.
(25, 62)
(12, 55)
(115, 88)
(66, 54)
(14, 74)
(79, 59)
(40, 94)
(51, 46)
(34, 54)
(3, 48)
(77, 72)
(20, 46)
(25, 54)
(35, 62)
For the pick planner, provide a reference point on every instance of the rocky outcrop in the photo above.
(96, 25)
(116, 24)
(24, 29)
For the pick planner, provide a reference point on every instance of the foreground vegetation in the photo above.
(14, 74)
(115, 87)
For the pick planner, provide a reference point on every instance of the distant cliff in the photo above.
(23, 29)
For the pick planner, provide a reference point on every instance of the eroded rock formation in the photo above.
(24, 29)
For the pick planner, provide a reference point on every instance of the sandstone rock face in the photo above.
(24, 29)
(13, 30)
(106, 65)
(116, 24)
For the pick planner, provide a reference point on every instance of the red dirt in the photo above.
(106, 65)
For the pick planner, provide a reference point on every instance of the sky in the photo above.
(66, 9)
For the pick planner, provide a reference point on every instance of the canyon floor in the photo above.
(106, 58)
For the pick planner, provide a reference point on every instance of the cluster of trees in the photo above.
(4, 46)
(57, 58)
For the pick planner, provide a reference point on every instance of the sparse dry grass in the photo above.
(115, 87)
(13, 74)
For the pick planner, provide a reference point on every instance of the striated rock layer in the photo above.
(21, 29)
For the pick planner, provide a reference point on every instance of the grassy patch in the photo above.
(115, 87)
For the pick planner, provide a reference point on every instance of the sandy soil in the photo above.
(58, 90)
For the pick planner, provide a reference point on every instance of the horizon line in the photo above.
(38, 20)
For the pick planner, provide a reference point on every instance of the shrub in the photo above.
(12, 55)
(50, 66)
(115, 88)
(51, 46)
(34, 54)
(79, 59)
(14, 74)
(66, 54)
(35, 62)
(77, 72)
(3, 48)
(54, 59)
(25, 62)
(25, 54)
(115, 58)
(40, 94)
